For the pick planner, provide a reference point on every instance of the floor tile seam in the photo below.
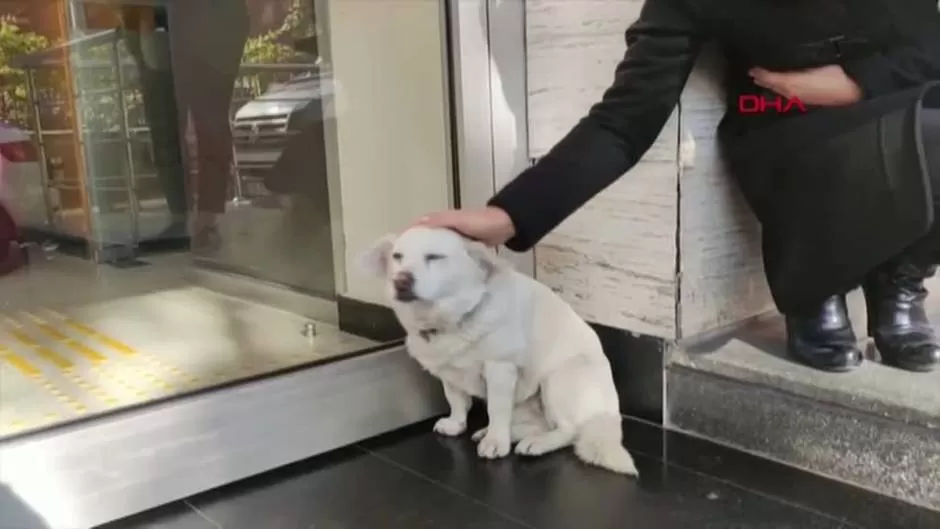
(203, 515)
(767, 496)
(457, 492)
(844, 524)
(791, 466)
(662, 460)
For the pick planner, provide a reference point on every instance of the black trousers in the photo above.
(926, 251)
(162, 114)
(206, 40)
(840, 192)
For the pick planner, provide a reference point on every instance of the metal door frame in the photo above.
(488, 65)
(92, 472)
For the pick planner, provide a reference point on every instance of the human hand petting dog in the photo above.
(489, 225)
(826, 86)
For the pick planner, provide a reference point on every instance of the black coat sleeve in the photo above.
(915, 62)
(662, 47)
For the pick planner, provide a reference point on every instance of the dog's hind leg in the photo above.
(522, 430)
(535, 435)
(545, 442)
(583, 396)
(527, 421)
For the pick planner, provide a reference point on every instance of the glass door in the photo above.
(265, 144)
(261, 143)
(488, 50)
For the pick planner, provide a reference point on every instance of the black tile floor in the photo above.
(413, 479)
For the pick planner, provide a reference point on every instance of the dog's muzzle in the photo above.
(427, 334)
(404, 285)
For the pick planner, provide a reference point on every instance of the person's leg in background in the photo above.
(209, 39)
(211, 107)
(161, 108)
(895, 292)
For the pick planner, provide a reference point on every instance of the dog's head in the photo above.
(429, 264)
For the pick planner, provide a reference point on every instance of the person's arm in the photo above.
(910, 65)
(662, 47)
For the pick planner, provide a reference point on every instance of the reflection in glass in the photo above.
(181, 184)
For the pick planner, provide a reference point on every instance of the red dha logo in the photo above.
(754, 104)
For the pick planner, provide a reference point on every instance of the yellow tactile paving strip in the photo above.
(54, 368)
(57, 367)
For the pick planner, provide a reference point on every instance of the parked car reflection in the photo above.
(263, 127)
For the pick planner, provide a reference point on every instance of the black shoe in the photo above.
(897, 320)
(823, 338)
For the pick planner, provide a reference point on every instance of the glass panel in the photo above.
(184, 185)
(279, 198)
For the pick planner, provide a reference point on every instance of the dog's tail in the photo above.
(599, 443)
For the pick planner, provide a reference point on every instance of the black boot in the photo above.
(823, 338)
(896, 317)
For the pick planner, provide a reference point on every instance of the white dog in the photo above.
(488, 331)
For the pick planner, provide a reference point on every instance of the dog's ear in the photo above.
(374, 261)
(486, 257)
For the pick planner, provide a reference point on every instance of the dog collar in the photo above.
(426, 334)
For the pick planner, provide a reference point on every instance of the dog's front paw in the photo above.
(450, 427)
(494, 446)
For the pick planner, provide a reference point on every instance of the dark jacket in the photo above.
(889, 47)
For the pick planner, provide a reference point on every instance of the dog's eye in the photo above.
(396, 256)
(433, 257)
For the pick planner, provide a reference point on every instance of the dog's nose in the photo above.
(404, 282)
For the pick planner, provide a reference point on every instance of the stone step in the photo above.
(877, 427)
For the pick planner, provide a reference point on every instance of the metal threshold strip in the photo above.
(85, 474)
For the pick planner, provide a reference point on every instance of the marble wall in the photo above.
(669, 250)
(721, 277)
